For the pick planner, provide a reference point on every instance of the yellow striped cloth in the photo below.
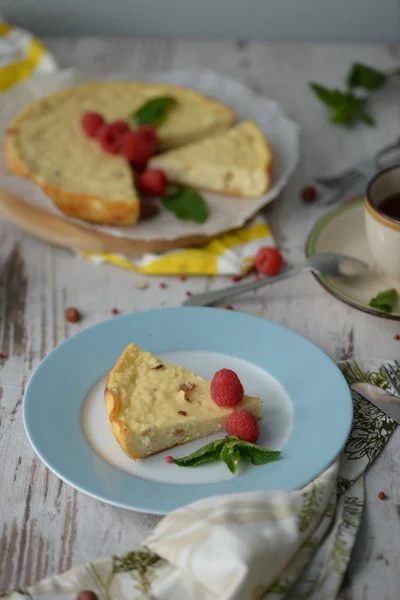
(230, 253)
(21, 55)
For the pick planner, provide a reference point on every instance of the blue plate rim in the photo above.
(234, 315)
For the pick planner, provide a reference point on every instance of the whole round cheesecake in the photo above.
(45, 143)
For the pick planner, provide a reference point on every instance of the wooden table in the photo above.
(46, 526)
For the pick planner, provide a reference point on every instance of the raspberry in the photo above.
(243, 425)
(91, 122)
(109, 140)
(136, 148)
(269, 261)
(152, 182)
(120, 128)
(149, 135)
(226, 388)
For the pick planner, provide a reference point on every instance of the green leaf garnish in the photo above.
(362, 76)
(348, 106)
(230, 450)
(153, 112)
(385, 300)
(345, 108)
(207, 453)
(186, 204)
(230, 454)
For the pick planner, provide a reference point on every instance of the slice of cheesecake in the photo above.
(152, 406)
(236, 162)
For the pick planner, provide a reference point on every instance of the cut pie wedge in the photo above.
(152, 406)
(236, 162)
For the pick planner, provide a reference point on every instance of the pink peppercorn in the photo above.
(168, 459)
(381, 495)
(188, 293)
(163, 285)
(182, 277)
(235, 278)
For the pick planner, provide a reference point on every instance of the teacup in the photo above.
(382, 220)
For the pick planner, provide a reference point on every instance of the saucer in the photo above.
(342, 231)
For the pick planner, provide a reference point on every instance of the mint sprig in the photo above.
(186, 204)
(349, 106)
(231, 451)
(385, 300)
(207, 453)
(153, 112)
(231, 456)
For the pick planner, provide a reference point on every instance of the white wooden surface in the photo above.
(46, 526)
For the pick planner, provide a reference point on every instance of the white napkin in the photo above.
(271, 545)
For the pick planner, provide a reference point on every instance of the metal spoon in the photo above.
(323, 264)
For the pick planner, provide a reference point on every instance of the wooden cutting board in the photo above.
(57, 231)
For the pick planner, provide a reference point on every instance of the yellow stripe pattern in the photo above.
(17, 71)
(236, 249)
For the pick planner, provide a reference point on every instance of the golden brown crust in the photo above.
(94, 209)
(113, 409)
(119, 429)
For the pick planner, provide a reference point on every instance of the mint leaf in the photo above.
(153, 112)
(256, 454)
(385, 300)
(339, 103)
(207, 453)
(230, 455)
(327, 96)
(230, 450)
(358, 106)
(186, 203)
(366, 118)
(362, 76)
(345, 108)
(342, 114)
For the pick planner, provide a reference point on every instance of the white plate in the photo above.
(275, 429)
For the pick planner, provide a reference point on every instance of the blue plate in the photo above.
(286, 370)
